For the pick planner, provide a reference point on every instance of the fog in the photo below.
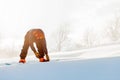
(18, 16)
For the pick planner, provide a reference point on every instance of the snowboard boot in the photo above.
(22, 61)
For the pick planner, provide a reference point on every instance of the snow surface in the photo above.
(99, 63)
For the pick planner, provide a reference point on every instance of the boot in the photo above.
(22, 61)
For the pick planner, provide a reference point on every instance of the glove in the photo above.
(47, 57)
(42, 60)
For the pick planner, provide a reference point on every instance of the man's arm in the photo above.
(34, 50)
(32, 47)
(45, 49)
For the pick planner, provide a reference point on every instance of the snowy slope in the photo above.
(100, 63)
(89, 53)
(98, 69)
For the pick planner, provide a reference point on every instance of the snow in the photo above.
(90, 53)
(98, 63)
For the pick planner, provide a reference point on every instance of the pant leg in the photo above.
(24, 50)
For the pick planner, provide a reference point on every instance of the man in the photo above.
(35, 36)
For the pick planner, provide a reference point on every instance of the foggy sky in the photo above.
(18, 16)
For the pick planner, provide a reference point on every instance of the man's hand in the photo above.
(37, 54)
(47, 57)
